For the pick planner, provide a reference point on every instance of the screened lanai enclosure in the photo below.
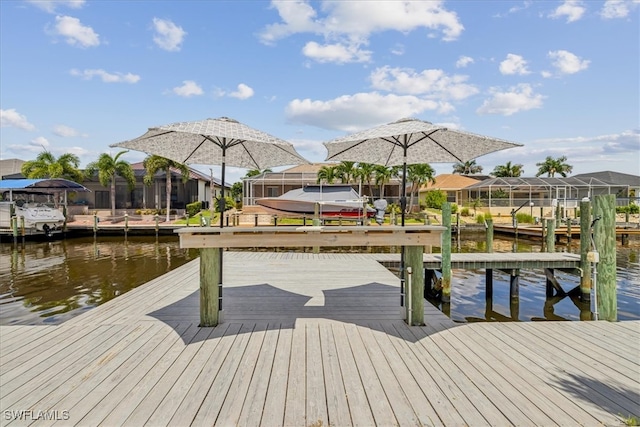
(541, 195)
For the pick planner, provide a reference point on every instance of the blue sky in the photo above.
(560, 77)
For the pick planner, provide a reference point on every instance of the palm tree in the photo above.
(552, 166)
(507, 170)
(47, 166)
(153, 164)
(467, 168)
(346, 172)
(419, 174)
(108, 167)
(327, 174)
(383, 174)
(256, 172)
(364, 172)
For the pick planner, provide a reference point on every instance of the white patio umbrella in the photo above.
(411, 141)
(222, 141)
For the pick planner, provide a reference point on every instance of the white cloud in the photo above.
(347, 25)
(74, 32)
(168, 35)
(105, 76)
(613, 9)
(65, 131)
(338, 53)
(243, 92)
(51, 5)
(39, 142)
(514, 64)
(355, 112)
(11, 118)
(398, 49)
(189, 88)
(518, 98)
(464, 61)
(567, 63)
(572, 9)
(431, 83)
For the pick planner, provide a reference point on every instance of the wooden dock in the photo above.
(310, 340)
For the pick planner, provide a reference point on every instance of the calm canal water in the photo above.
(50, 282)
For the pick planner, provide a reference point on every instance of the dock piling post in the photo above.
(551, 235)
(156, 218)
(415, 285)
(95, 224)
(446, 252)
(126, 224)
(604, 207)
(210, 289)
(585, 247)
(14, 227)
(489, 226)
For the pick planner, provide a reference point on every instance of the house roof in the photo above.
(449, 181)
(10, 167)
(613, 178)
(193, 173)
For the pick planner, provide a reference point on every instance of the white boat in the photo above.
(36, 216)
(331, 200)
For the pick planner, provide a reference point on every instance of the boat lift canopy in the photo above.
(35, 186)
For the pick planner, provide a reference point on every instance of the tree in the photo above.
(467, 168)
(365, 172)
(153, 164)
(108, 167)
(419, 174)
(346, 172)
(328, 174)
(47, 166)
(508, 170)
(383, 174)
(552, 166)
(256, 172)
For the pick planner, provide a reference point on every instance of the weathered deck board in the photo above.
(311, 338)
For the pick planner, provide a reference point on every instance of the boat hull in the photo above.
(41, 217)
(325, 209)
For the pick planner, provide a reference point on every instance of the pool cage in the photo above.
(503, 194)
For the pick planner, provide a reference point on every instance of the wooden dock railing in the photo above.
(212, 240)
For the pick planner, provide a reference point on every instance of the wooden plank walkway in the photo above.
(310, 340)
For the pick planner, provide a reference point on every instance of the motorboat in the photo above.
(326, 200)
(38, 216)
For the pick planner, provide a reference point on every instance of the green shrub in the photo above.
(524, 218)
(630, 209)
(464, 212)
(194, 208)
(228, 203)
(454, 208)
(435, 198)
(480, 218)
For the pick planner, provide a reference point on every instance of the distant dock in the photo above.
(311, 340)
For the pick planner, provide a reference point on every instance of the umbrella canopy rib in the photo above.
(440, 145)
(196, 149)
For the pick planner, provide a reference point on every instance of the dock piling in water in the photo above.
(585, 247)
(604, 207)
(446, 252)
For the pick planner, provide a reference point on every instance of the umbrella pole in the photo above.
(403, 203)
(221, 206)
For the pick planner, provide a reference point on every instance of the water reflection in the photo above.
(470, 301)
(49, 282)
